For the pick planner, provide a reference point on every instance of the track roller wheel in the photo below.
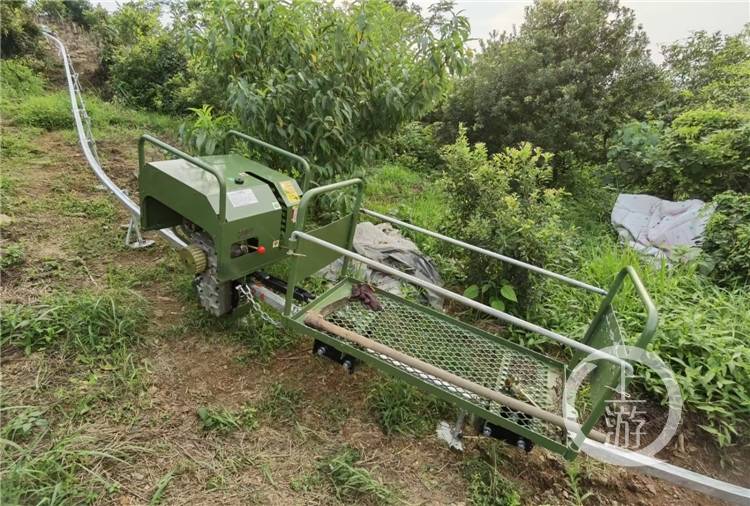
(194, 258)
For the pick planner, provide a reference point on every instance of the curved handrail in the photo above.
(303, 163)
(198, 163)
(308, 196)
(652, 318)
(486, 252)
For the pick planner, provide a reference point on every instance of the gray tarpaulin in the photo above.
(661, 228)
(386, 245)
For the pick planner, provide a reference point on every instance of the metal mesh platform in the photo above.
(461, 350)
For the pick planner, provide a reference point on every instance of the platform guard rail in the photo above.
(341, 245)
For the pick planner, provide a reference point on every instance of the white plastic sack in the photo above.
(661, 228)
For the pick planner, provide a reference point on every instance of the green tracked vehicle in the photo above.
(238, 216)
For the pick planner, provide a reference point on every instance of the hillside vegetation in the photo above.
(116, 385)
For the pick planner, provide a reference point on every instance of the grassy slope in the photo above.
(411, 196)
(107, 362)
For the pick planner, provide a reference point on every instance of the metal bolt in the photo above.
(322, 350)
(348, 365)
(487, 430)
(521, 444)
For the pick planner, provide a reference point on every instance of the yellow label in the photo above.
(290, 191)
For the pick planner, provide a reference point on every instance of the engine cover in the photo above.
(261, 206)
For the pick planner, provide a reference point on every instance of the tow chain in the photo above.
(247, 293)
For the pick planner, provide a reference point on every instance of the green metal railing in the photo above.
(307, 198)
(501, 315)
(486, 252)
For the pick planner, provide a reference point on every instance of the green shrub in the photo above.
(324, 79)
(592, 196)
(703, 152)
(708, 150)
(710, 68)
(727, 241)
(402, 408)
(206, 132)
(80, 12)
(703, 334)
(149, 73)
(415, 146)
(87, 323)
(635, 152)
(504, 203)
(705, 148)
(19, 33)
(17, 79)
(572, 74)
(146, 63)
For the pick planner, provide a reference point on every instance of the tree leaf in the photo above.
(498, 304)
(472, 292)
(509, 293)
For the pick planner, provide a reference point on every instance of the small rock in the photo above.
(5, 220)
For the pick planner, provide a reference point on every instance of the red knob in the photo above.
(261, 250)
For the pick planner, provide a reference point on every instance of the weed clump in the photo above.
(11, 255)
(403, 409)
(353, 483)
(21, 421)
(91, 208)
(18, 79)
(56, 469)
(263, 338)
(281, 402)
(224, 421)
(487, 487)
(50, 112)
